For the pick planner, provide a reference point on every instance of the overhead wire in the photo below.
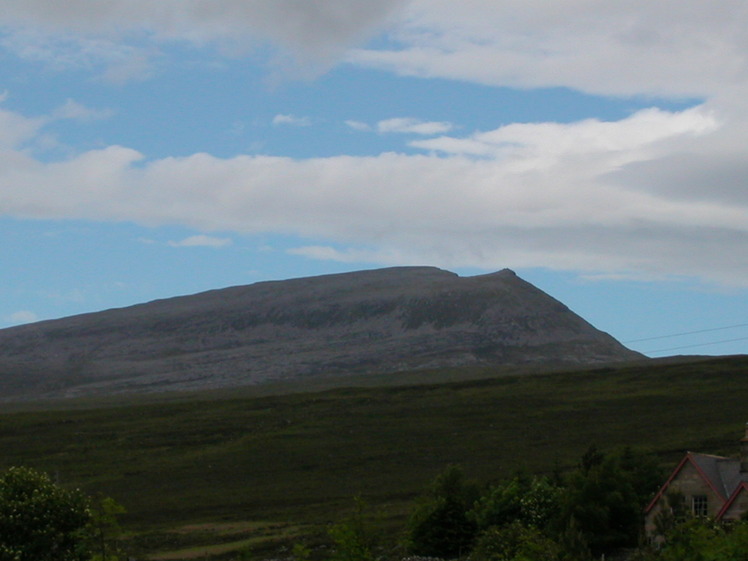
(696, 345)
(686, 333)
(692, 345)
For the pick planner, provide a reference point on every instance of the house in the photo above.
(712, 486)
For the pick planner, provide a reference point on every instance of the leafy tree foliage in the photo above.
(40, 521)
(699, 539)
(349, 544)
(515, 542)
(440, 525)
(354, 539)
(533, 501)
(642, 470)
(690, 538)
(734, 546)
(606, 495)
(104, 529)
(594, 510)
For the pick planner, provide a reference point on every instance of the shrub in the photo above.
(515, 542)
(40, 521)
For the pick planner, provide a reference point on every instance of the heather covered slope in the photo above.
(377, 321)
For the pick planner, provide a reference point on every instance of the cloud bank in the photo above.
(560, 196)
(21, 317)
(292, 120)
(619, 47)
(201, 240)
(121, 38)
(658, 193)
(409, 125)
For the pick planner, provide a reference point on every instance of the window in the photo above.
(699, 505)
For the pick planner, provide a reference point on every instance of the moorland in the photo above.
(211, 473)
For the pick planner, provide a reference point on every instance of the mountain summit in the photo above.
(369, 322)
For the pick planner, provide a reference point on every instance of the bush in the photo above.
(355, 538)
(40, 521)
(515, 542)
(532, 501)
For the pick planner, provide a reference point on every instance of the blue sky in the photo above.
(156, 148)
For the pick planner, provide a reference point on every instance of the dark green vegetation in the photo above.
(289, 461)
(41, 521)
(594, 510)
(695, 539)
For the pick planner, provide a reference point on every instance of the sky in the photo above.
(154, 148)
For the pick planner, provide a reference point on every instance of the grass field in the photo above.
(256, 471)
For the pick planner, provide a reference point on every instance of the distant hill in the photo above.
(369, 322)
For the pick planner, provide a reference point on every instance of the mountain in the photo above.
(378, 321)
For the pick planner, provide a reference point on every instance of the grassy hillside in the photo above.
(300, 458)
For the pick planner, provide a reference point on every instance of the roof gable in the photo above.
(721, 474)
(742, 487)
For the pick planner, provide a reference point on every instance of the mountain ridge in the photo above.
(381, 320)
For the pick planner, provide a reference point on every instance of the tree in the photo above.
(534, 501)
(105, 530)
(695, 539)
(673, 515)
(440, 525)
(41, 521)
(515, 542)
(606, 496)
(699, 539)
(354, 539)
(734, 547)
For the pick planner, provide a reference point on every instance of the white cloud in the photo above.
(629, 277)
(657, 193)
(619, 47)
(292, 120)
(18, 131)
(201, 241)
(22, 316)
(554, 140)
(349, 255)
(408, 125)
(325, 253)
(108, 60)
(403, 125)
(565, 196)
(307, 23)
(358, 126)
(15, 129)
(121, 36)
(71, 109)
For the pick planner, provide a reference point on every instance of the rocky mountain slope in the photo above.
(364, 322)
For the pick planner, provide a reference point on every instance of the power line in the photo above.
(688, 333)
(696, 344)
